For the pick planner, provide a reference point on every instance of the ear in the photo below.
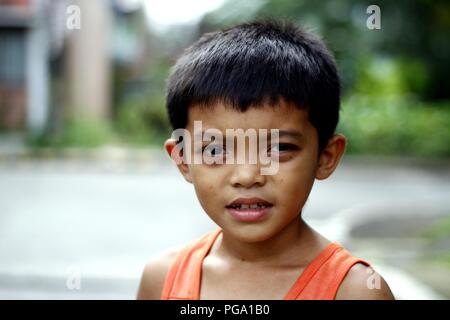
(176, 154)
(330, 156)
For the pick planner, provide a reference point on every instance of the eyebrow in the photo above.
(291, 133)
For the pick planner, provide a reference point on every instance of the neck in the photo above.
(283, 247)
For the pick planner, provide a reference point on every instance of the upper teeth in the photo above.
(251, 206)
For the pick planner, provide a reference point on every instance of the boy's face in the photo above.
(217, 185)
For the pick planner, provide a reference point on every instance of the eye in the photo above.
(214, 150)
(283, 147)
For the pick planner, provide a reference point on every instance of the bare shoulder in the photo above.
(364, 283)
(154, 275)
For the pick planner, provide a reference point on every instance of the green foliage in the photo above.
(384, 115)
(438, 230)
(86, 132)
(436, 234)
(77, 131)
(395, 125)
(384, 75)
(143, 120)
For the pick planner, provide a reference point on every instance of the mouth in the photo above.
(249, 209)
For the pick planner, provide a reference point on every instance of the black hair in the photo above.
(255, 63)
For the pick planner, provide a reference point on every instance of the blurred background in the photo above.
(87, 195)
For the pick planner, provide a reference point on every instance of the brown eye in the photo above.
(283, 147)
(214, 150)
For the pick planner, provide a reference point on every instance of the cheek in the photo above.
(295, 180)
(207, 184)
(292, 194)
(293, 185)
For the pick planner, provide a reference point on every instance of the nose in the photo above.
(247, 176)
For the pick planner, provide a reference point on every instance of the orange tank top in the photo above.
(320, 280)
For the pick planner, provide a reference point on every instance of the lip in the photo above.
(249, 215)
(249, 201)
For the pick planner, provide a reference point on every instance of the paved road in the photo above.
(103, 221)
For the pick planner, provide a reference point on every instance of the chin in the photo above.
(250, 232)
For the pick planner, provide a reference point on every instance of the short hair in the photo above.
(254, 63)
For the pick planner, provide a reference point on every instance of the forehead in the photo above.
(282, 115)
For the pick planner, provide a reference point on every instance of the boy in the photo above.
(258, 76)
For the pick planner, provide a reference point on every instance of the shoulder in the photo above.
(364, 283)
(154, 275)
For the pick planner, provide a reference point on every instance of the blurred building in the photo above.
(48, 69)
(88, 60)
(23, 65)
(132, 51)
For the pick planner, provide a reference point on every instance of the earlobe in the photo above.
(174, 153)
(330, 156)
